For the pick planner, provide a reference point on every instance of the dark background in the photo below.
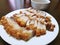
(53, 9)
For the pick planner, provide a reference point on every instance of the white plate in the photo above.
(42, 40)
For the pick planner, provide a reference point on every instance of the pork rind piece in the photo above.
(27, 34)
(30, 24)
(20, 19)
(11, 27)
(15, 30)
(41, 29)
(37, 27)
(50, 26)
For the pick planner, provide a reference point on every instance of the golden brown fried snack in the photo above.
(11, 26)
(21, 20)
(41, 29)
(50, 26)
(15, 30)
(37, 27)
(47, 19)
(27, 34)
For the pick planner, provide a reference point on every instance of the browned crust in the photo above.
(15, 33)
(19, 21)
(10, 29)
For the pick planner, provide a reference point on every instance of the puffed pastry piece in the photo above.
(37, 27)
(15, 30)
(27, 34)
(21, 20)
(41, 29)
(11, 27)
(30, 24)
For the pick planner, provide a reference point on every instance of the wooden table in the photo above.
(5, 8)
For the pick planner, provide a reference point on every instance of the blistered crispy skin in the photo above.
(43, 32)
(41, 29)
(47, 19)
(39, 32)
(38, 28)
(16, 32)
(19, 21)
(10, 28)
(50, 26)
(27, 34)
(30, 25)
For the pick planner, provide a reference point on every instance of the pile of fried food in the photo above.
(27, 23)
